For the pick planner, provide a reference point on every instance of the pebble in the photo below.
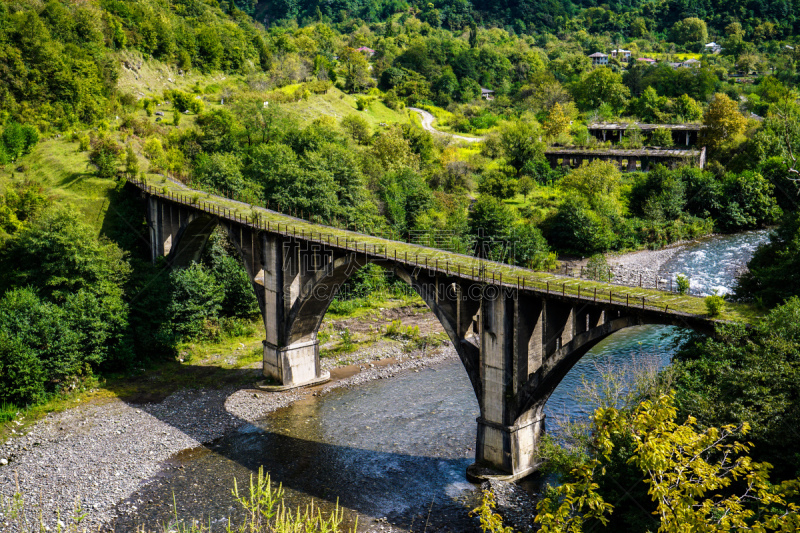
(103, 453)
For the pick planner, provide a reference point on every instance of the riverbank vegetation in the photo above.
(302, 107)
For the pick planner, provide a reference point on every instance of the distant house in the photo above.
(647, 60)
(599, 58)
(691, 63)
(368, 51)
(622, 55)
(713, 48)
(487, 94)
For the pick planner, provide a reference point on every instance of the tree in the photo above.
(497, 184)
(521, 142)
(528, 248)
(357, 127)
(557, 122)
(690, 30)
(525, 186)
(489, 223)
(576, 227)
(722, 122)
(356, 70)
(687, 109)
(661, 137)
(196, 298)
(772, 276)
(105, 156)
(748, 63)
(721, 380)
(697, 478)
(598, 182)
(650, 107)
(601, 85)
(131, 161)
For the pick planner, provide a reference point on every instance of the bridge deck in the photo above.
(432, 259)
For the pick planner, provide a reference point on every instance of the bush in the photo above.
(196, 299)
(682, 283)
(363, 102)
(714, 304)
(105, 156)
(661, 137)
(597, 268)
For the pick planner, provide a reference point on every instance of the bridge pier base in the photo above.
(506, 453)
(295, 365)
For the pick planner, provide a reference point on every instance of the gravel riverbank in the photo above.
(652, 260)
(99, 455)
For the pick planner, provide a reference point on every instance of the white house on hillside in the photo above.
(622, 55)
(599, 58)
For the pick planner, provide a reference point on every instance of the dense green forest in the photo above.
(302, 107)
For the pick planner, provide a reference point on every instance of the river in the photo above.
(398, 449)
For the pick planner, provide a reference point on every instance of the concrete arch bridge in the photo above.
(516, 331)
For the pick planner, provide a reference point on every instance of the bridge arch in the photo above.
(516, 344)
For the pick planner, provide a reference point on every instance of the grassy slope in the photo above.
(338, 105)
(65, 172)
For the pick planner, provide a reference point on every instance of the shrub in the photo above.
(714, 304)
(196, 298)
(363, 102)
(105, 156)
(597, 268)
(682, 283)
(661, 137)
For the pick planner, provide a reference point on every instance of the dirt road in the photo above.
(427, 125)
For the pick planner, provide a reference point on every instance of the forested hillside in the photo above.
(633, 19)
(303, 107)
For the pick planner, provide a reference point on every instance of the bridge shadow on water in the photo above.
(376, 465)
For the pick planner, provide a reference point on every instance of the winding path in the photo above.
(427, 125)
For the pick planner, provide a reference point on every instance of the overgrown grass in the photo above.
(461, 265)
(338, 105)
(263, 505)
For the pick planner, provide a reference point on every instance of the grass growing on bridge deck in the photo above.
(444, 261)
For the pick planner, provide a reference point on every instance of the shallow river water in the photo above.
(397, 448)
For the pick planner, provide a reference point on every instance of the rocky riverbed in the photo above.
(98, 455)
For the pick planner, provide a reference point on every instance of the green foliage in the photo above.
(682, 284)
(597, 268)
(694, 476)
(520, 142)
(105, 156)
(357, 128)
(658, 195)
(662, 138)
(714, 304)
(748, 375)
(62, 312)
(771, 278)
(21, 203)
(601, 86)
(490, 221)
(16, 140)
(224, 263)
(723, 122)
(196, 299)
(525, 186)
(598, 182)
(497, 184)
(577, 227)
(491, 522)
